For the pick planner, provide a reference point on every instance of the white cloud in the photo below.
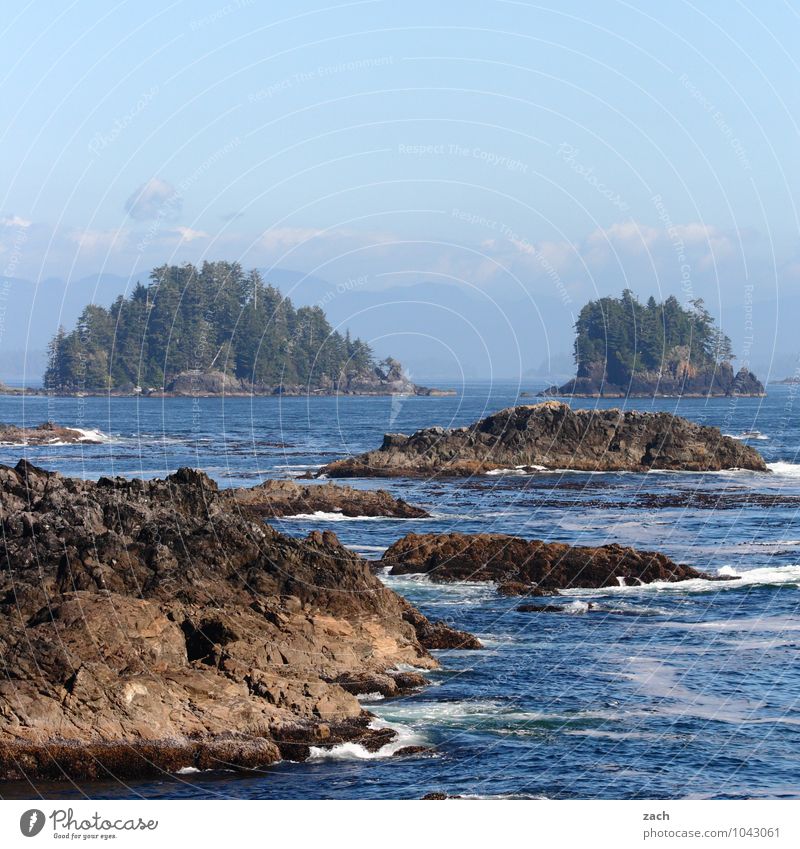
(15, 222)
(154, 199)
(187, 234)
(100, 240)
(287, 237)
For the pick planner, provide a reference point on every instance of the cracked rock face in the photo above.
(150, 626)
(289, 498)
(529, 567)
(551, 435)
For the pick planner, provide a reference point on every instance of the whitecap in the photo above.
(406, 736)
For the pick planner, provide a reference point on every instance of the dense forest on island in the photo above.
(217, 318)
(624, 346)
(630, 336)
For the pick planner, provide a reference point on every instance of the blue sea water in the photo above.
(687, 690)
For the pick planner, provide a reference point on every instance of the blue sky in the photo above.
(506, 151)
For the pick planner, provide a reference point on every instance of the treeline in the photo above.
(630, 337)
(218, 317)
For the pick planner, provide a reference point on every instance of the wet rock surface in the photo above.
(529, 567)
(551, 435)
(44, 434)
(150, 626)
(275, 498)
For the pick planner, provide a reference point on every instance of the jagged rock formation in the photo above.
(528, 567)
(289, 498)
(678, 378)
(45, 434)
(385, 378)
(149, 626)
(553, 436)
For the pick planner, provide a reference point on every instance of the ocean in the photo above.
(688, 690)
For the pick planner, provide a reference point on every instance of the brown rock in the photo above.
(149, 626)
(44, 434)
(554, 436)
(287, 498)
(517, 563)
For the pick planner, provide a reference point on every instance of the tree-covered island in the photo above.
(624, 348)
(212, 330)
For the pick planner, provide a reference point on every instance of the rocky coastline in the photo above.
(152, 626)
(551, 435)
(684, 381)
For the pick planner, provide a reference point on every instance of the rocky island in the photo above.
(215, 330)
(627, 349)
(529, 567)
(275, 498)
(47, 433)
(150, 626)
(551, 435)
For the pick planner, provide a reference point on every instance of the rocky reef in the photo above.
(679, 379)
(551, 435)
(385, 378)
(153, 626)
(275, 498)
(47, 433)
(529, 567)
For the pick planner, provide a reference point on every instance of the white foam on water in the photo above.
(370, 697)
(356, 752)
(748, 434)
(759, 576)
(187, 770)
(576, 607)
(784, 469)
(518, 470)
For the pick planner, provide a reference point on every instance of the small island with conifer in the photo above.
(215, 330)
(624, 348)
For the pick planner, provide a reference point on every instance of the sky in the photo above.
(451, 180)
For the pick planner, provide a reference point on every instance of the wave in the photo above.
(338, 516)
(758, 576)
(784, 469)
(748, 434)
(406, 736)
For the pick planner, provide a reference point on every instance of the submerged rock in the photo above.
(275, 498)
(46, 434)
(551, 435)
(529, 567)
(149, 626)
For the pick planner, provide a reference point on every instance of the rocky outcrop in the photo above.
(149, 626)
(528, 567)
(385, 378)
(552, 435)
(275, 498)
(678, 379)
(47, 433)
